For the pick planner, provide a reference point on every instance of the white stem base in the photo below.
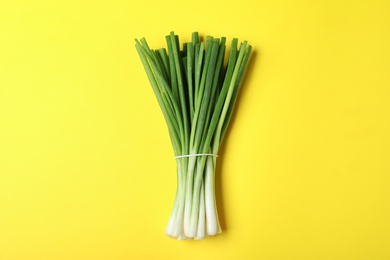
(194, 214)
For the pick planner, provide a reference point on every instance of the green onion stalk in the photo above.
(196, 89)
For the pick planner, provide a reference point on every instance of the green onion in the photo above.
(197, 93)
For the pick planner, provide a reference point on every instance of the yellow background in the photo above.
(86, 167)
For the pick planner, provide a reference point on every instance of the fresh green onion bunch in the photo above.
(196, 90)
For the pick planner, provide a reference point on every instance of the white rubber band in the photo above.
(197, 154)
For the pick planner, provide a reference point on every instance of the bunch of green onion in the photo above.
(197, 91)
